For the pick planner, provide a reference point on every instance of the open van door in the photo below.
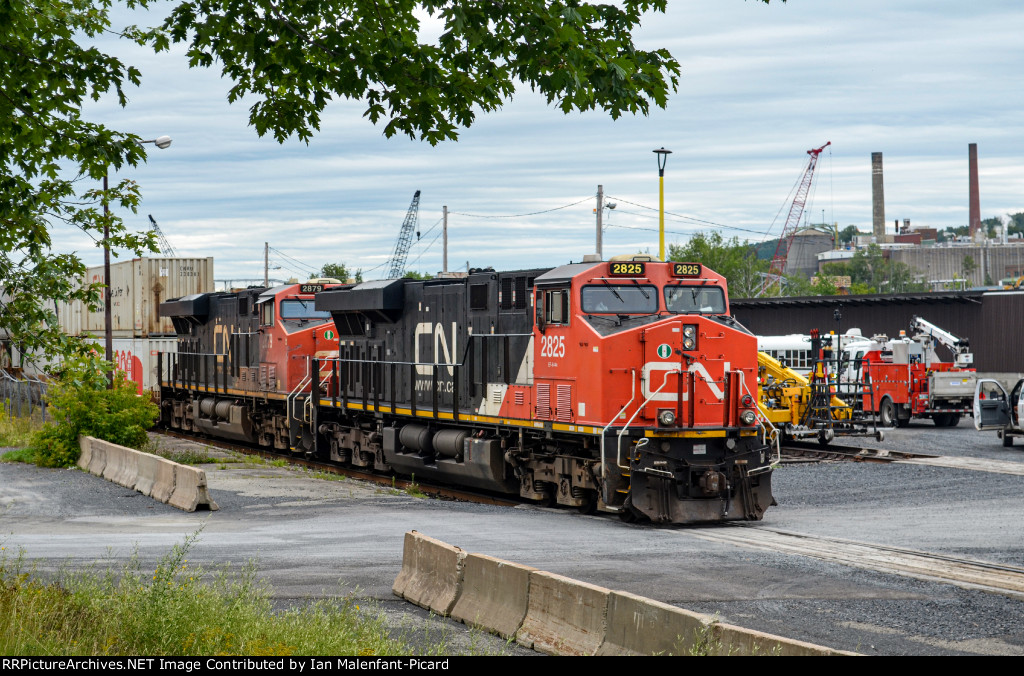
(991, 406)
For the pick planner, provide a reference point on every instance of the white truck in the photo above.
(994, 409)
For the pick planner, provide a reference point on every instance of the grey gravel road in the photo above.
(313, 537)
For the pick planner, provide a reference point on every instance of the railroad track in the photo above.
(966, 573)
(432, 490)
(795, 452)
(807, 451)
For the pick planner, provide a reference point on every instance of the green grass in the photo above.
(17, 432)
(178, 609)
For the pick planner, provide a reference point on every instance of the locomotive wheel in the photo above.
(887, 413)
(589, 505)
(941, 419)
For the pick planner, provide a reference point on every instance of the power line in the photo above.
(535, 213)
(684, 217)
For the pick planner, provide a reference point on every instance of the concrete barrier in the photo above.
(147, 472)
(564, 616)
(431, 575)
(728, 639)
(85, 452)
(163, 480)
(642, 626)
(122, 467)
(177, 485)
(495, 595)
(190, 491)
(97, 457)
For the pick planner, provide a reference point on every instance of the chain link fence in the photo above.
(23, 396)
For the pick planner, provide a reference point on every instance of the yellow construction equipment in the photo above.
(802, 407)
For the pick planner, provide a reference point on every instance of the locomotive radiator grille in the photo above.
(544, 401)
(563, 403)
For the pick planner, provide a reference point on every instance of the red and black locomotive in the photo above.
(623, 386)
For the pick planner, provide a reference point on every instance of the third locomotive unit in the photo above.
(620, 385)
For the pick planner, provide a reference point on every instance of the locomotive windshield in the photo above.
(694, 299)
(302, 309)
(623, 299)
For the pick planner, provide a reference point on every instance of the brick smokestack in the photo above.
(975, 197)
(877, 197)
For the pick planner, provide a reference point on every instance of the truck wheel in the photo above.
(941, 419)
(1007, 440)
(954, 420)
(887, 413)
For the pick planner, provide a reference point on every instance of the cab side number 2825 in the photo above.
(552, 346)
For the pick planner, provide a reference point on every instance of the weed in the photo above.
(177, 609)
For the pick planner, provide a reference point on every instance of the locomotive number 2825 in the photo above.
(552, 346)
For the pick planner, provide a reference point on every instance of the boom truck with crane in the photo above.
(904, 377)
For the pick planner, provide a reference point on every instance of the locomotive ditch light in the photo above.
(748, 417)
(666, 417)
(690, 337)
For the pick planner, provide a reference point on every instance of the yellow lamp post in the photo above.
(662, 159)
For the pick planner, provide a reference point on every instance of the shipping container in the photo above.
(135, 357)
(137, 288)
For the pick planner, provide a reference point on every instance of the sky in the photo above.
(761, 85)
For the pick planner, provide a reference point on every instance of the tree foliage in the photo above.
(871, 272)
(53, 160)
(81, 404)
(736, 261)
(292, 58)
(295, 57)
(341, 272)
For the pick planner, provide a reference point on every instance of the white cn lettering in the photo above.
(440, 347)
(663, 395)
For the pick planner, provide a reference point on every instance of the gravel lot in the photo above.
(314, 537)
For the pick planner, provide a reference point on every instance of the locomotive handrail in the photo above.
(618, 439)
(604, 465)
(773, 433)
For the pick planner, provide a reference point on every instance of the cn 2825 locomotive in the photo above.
(623, 386)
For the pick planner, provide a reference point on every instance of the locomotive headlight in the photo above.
(748, 417)
(690, 337)
(666, 417)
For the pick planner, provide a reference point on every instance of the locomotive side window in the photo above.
(695, 299)
(623, 299)
(556, 306)
(267, 313)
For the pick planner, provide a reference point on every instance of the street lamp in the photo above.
(160, 142)
(662, 159)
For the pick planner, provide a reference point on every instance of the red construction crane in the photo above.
(796, 210)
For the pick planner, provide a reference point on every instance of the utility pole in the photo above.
(444, 237)
(266, 264)
(600, 208)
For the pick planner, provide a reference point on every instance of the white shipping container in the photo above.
(137, 288)
(138, 359)
(135, 357)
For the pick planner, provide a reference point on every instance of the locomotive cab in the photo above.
(647, 352)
